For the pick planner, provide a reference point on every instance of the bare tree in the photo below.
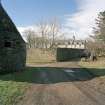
(33, 40)
(28, 36)
(43, 32)
(47, 35)
(54, 31)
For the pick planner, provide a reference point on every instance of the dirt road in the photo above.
(63, 87)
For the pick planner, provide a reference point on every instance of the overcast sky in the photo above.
(77, 16)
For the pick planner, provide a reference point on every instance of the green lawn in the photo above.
(11, 92)
(31, 75)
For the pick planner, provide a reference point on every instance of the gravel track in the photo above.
(64, 93)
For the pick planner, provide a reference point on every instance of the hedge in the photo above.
(67, 54)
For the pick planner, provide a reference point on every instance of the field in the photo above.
(97, 67)
(43, 75)
(37, 56)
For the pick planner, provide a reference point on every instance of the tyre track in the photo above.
(90, 92)
(64, 93)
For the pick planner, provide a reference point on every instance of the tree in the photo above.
(54, 31)
(100, 29)
(47, 34)
(50, 32)
(98, 45)
(30, 38)
(43, 31)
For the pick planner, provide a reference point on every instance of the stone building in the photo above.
(12, 45)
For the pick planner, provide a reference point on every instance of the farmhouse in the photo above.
(12, 46)
(77, 44)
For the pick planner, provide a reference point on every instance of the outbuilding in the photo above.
(12, 45)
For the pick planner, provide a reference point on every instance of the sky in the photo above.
(77, 16)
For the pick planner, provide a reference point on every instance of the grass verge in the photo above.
(11, 92)
(97, 68)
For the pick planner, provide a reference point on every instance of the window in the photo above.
(7, 44)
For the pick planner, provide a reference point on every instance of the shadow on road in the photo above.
(50, 75)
